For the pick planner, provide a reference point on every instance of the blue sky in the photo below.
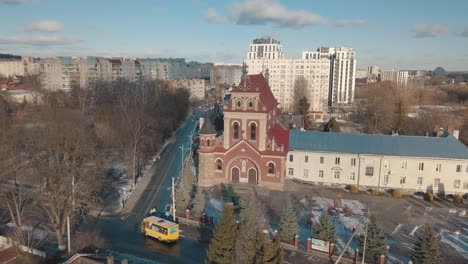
(415, 34)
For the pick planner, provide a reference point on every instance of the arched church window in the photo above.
(253, 131)
(219, 164)
(271, 168)
(236, 130)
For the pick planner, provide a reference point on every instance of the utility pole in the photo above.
(68, 217)
(68, 233)
(365, 238)
(173, 200)
(182, 160)
(346, 246)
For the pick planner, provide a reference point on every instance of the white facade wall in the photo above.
(10, 68)
(389, 172)
(228, 74)
(196, 87)
(330, 73)
(398, 76)
(283, 74)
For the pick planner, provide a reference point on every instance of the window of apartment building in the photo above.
(322, 160)
(386, 177)
(290, 171)
(402, 180)
(369, 170)
(387, 164)
(466, 168)
(336, 175)
(353, 162)
(352, 176)
(306, 173)
(421, 166)
(404, 165)
(291, 158)
(439, 167)
(337, 161)
(456, 184)
(320, 173)
(436, 182)
(465, 185)
(420, 180)
(458, 168)
(306, 159)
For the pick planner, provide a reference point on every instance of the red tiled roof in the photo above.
(281, 136)
(256, 83)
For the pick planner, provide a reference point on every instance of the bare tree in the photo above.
(66, 163)
(300, 92)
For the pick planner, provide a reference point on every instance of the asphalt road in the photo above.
(123, 234)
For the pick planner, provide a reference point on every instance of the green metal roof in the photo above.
(412, 146)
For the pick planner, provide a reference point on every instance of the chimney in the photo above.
(110, 259)
(456, 133)
(124, 261)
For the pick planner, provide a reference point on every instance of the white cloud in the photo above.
(38, 40)
(17, 2)
(260, 12)
(45, 26)
(465, 33)
(212, 16)
(350, 23)
(427, 30)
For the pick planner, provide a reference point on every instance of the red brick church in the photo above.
(253, 146)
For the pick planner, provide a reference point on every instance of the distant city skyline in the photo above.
(397, 34)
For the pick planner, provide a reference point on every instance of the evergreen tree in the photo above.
(230, 196)
(274, 254)
(324, 229)
(199, 203)
(182, 196)
(220, 250)
(399, 117)
(289, 225)
(245, 246)
(332, 126)
(376, 245)
(427, 248)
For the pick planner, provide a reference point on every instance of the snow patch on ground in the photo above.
(38, 234)
(456, 240)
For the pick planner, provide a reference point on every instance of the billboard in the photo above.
(320, 245)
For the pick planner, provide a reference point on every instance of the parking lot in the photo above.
(402, 217)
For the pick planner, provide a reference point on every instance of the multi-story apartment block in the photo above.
(329, 73)
(342, 75)
(197, 87)
(10, 68)
(398, 76)
(196, 70)
(153, 69)
(227, 74)
(104, 69)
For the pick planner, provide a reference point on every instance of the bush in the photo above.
(397, 193)
(354, 189)
(428, 196)
(375, 192)
(458, 198)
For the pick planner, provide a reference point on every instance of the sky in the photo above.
(401, 34)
